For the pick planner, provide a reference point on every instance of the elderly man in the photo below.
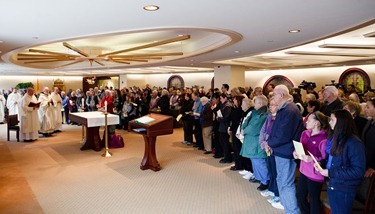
(29, 122)
(46, 113)
(287, 127)
(56, 108)
(13, 103)
(331, 100)
(154, 101)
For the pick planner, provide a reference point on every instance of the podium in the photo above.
(93, 120)
(162, 125)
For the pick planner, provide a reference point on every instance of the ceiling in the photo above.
(84, 37)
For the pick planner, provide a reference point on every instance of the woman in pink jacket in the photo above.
(310, 183)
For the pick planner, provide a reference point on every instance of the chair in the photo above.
(12, 125)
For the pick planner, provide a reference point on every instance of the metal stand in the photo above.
(106, 153)
(83, 134)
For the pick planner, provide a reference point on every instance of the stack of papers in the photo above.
(140, 130)
(144, 120)
(299, 148)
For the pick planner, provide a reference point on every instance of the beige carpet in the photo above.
(64, 179)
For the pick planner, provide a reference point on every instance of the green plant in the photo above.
(23, 85)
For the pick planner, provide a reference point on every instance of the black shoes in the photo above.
(225, 161)
(207, 152)
(262, 187)
(235, 168)
(253, 180)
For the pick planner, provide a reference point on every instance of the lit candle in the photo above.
(83, 102)
(105, 106)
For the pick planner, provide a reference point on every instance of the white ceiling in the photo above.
(222, 32)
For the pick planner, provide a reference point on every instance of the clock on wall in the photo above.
(357, 77)
(176, 81)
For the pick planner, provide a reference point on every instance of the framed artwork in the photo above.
(356, 76)
(213, 83)
(176, 81)
(277, 80)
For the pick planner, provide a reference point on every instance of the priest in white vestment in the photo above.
(2, 108)
(46, 113)
(57, 106)
(13, 103)
(29, 120)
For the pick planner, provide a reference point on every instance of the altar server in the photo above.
(46, 113)
(29, 117)
(2, 108)
(13, 103)
(56, 108)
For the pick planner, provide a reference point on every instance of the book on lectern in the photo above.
(144, 120)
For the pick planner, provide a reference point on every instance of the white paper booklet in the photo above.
(299, 148)
(315, 161)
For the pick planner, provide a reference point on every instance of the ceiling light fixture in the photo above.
(294, 31)
(151, 8)
(236, 51)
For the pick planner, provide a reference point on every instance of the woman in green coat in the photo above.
(251, 149)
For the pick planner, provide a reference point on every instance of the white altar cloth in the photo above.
(96, 118)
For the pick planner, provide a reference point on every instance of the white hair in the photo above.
(262, 99)
(332, 89)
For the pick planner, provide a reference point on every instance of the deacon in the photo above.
(46, 113)
(13, 103)
(56, 108)
(29, 117)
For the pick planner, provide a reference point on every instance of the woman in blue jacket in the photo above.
(346, 162)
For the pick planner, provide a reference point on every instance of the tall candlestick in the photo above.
(83, 102)
(105, 106)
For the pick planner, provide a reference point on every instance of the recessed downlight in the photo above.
(236, 51)
(294, 31)
(151, 8)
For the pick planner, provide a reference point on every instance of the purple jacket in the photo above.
(316, 145)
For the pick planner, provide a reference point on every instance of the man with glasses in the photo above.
(287, 127)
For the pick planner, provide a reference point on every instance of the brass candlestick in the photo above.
(83, 134)
(106, 152)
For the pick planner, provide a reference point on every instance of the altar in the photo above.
(92, 121)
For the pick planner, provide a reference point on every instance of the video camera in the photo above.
(307, 85)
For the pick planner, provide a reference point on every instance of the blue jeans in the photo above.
(260, 170)
(340, 202)
(286, 169)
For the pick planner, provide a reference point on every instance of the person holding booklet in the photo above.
(346, 162)
(310, 183)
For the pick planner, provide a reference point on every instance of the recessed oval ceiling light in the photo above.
(294, 31)
(236, 51)
(151, 7)
(1, 41)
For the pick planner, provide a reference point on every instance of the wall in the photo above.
(320, 76)
(7, 82)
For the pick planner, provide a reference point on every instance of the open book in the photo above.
(144, 120)
(31, 104)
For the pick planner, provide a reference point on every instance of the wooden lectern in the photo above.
(162, 125)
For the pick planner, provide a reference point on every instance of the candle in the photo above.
(105, 106)
(83, 102)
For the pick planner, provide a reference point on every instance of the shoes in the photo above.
(27, 141)
(278, 205)
(217, 157)
(253, 180)
(225, 161)
(200, 148)
(274, 199)
(195, 145)
(234, 168)
(248, 176)
(267, 193)
(243, 172)
(207, 152)
(189, 143)
(184, 142)
(262, 187)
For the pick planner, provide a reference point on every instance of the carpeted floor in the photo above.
(52, 175)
